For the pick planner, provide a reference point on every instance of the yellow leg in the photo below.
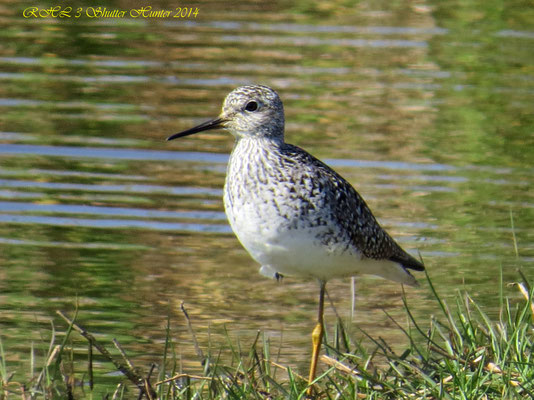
(317, 338)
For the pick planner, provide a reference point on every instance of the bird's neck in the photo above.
(254, 144)
(250, 153)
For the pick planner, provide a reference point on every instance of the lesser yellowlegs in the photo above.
(293, 213)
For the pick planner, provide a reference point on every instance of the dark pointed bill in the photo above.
(213, 124)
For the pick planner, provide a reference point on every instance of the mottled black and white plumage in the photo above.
(293, 213)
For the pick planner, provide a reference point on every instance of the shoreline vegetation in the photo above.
(460, 354)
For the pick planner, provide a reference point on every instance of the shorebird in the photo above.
(295, 215)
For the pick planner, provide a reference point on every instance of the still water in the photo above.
(425, 107)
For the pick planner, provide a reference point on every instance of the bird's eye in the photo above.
(251, 106)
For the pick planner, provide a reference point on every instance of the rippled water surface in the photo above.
(425, 107)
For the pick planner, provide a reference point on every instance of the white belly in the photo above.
(299, 252)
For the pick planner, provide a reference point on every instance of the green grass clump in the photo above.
(461, 353)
